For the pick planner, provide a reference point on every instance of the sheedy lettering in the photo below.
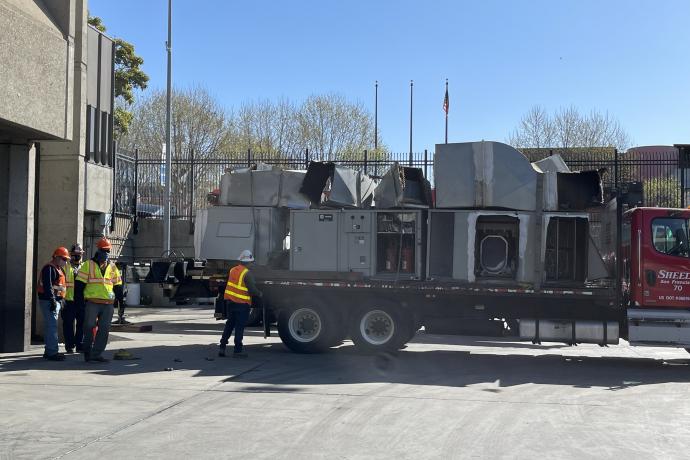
(667, 275)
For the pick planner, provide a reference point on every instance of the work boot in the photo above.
(221, 351)
(55, 357)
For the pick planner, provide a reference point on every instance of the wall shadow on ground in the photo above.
(271, 365)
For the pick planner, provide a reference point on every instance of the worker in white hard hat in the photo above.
(239, 290)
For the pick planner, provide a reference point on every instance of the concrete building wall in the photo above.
(36, 88)
(17, 174)
(98, 188)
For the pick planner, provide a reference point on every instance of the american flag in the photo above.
(446, 103)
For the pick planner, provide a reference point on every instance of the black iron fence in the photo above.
(140, 180)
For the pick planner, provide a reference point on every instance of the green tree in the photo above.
(663, 192)
(128, 77)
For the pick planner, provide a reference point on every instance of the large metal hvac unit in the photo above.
(222, 232)
(475, 245)
(383, 244)
(482, 245)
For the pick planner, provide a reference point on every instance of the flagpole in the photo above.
(411, 85)
(376, 115)
(447, 107)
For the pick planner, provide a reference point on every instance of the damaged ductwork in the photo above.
(565, 190)
(483, 175)
(263, 185)
(330, 185)
(403, 187)
(493, 175)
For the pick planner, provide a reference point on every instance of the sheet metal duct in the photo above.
(330, 185)
(565, 190)
(403, 187)
(263, 185)
(222, 232)
(483, 175)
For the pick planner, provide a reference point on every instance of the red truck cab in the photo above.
(656, 276)
(656, 257)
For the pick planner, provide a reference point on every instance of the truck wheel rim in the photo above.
(305, 325)
(377, 327)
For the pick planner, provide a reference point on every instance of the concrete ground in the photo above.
(442, 397)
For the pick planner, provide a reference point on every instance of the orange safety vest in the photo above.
(59, 288)
(235, 289)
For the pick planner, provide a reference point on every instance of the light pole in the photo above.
(168, 140)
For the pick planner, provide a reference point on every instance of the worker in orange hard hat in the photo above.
(96, 286)
(104, 244)
(51, 292)
(73, 314)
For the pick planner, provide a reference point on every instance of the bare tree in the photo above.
(199, 123)
(335, 129)
(567, 128)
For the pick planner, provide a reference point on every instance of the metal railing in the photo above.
(140, 181)
(139, 189)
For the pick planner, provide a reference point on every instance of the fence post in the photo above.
(249, 158)
(682, 164)
(135, 199)
(191, 192)
(366, 157)
(426, 162)
(113, 146)
(616, 170)
(306, 158)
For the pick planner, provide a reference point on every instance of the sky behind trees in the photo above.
(629, 58)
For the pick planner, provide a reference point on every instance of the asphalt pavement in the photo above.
(442, 397)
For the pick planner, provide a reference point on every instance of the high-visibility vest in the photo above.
(99, 285)
(235, 289)
(69, 279)
(59, 287)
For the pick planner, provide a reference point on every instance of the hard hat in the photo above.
(246, 256)
(76, 249)
(103, 243)
(61, 252)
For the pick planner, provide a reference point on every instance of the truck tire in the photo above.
(307, 329)
(381, 329)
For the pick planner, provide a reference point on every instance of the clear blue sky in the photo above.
(630, 58)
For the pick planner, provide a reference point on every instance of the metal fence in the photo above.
(140, 192)
(141, 181)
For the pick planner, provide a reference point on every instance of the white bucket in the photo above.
(133, 294)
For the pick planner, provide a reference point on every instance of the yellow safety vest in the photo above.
(69, 280)
(99, 286)
(235, 289)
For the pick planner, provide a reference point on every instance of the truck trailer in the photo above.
(530, 248)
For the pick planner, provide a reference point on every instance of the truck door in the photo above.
(665, 261)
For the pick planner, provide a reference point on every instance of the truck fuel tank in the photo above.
(548, 330)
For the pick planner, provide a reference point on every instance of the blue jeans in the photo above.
(238, 314)
(50, 326)
(71, 314)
